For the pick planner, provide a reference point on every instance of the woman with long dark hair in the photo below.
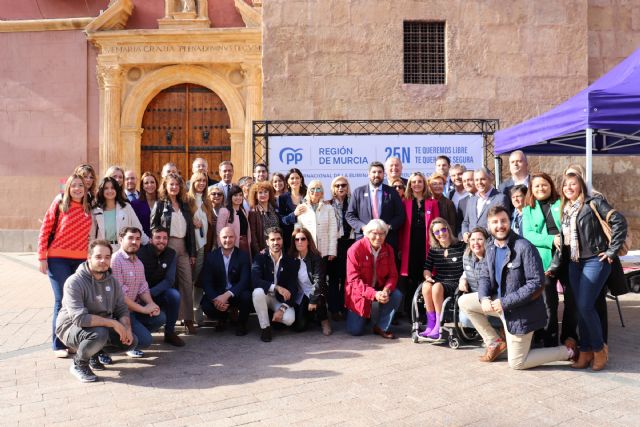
(63, 243)
(290, 203)
(148, 195)
(238, 219)
(172, 212)
(113, 212)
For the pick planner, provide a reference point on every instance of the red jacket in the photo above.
(431, 211)
(358, 291)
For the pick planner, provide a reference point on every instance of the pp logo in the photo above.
(290, 155)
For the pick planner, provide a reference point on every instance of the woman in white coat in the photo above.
(112, 212)
(320, 219)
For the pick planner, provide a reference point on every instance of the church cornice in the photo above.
(114, 18)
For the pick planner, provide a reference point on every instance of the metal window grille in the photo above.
(424, 53)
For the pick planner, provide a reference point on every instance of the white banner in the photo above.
(327, 156)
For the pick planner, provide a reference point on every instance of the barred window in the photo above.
(424, 56)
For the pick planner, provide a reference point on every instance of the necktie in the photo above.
(132, 197)
(374, 204)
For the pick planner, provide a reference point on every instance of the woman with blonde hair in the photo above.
(173, 213)
(442, 270)
(63, 242)
(446, 208)
(420, 209)
(88, 174)
(319, 219)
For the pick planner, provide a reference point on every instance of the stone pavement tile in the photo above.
(180, 422)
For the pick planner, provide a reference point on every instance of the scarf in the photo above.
(337, 209)
(570, 223)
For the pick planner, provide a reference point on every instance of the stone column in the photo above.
(110, 81)
(237, 150)
(131, 139)
(253, 94)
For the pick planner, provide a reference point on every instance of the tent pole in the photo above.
(589, 159)
(497, 165)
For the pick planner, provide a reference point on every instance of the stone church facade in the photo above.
(138, 82)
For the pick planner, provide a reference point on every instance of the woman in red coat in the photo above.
(420, 209)
(371, 276)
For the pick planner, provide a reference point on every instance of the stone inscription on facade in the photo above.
(182, 48)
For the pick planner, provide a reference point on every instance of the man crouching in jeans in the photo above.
(93, 313)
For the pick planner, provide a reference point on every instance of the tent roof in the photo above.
(611, 105)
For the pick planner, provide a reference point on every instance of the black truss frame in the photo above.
(262, 130)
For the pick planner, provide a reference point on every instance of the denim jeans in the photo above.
(59, 271)
(587, 277)
(142, 325)
(356, 323)
(169, 303)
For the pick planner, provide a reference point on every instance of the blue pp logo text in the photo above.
(290, 155)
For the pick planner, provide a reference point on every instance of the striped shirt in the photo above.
(446, 269)
(130, 274)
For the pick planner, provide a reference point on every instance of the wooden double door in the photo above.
(183, 123)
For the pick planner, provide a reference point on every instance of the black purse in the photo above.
(617, 281)
(52, 235)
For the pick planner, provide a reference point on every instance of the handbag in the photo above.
(617, 281)
(52, 235)
(606, 228)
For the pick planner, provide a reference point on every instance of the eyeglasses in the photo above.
(340, 185)
(300, 239)
(315, 190)
(440, 231)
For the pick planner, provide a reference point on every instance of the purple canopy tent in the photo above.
(604, 118)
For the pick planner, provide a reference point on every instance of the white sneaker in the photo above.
(61, 354)
(135, 353)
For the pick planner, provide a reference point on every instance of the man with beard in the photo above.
(275, 281)
(159, 262)
(510, 285)
(479, 204)
(128, 270)
(376, 201)
(93, 314)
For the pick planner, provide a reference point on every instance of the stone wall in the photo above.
(333, 59)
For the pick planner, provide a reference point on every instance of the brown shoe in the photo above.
(493, 351)
(388, 335)
(191, 327)
(584, 360)
(173, 339)
(572, 345)
(326, 328)
(600, 359)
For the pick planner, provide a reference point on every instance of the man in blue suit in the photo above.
(376, 201)
(226, 279)
(478, 205)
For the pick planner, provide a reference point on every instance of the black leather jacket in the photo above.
(588, 225)
(317, 274)
(161, 215)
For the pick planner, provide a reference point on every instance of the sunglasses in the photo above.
(315, 190)
(216, 194)
(440, 231)
(300, 239)
(340, 185)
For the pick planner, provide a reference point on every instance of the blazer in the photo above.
(460, 214)
(521, 288)
(214, 276)
(323, 227)
(222, 219)
(392, 212)
(287, 217)
(256, 224)
(359, 289)
(472, 219)
(125, 217)
(448, 212)
(534, 229)
(236, 227)
(161, 215)
(262, 275)
(431, 211)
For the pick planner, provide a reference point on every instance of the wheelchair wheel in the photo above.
(415, 338)
(454, 342)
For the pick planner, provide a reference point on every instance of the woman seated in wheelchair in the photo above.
(442, 271)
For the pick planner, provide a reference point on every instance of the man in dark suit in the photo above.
(376, 201)
(275, 284)
(478, 205)
(470, 190)
(519, 168)
(226, 282)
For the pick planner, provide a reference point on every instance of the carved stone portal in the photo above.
(185, 14)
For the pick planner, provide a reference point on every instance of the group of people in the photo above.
(163, 252)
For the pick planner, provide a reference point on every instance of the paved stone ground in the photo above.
(298, 379)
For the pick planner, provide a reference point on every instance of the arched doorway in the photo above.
(181, 123)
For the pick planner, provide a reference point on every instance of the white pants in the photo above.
(264, 302)
(519, 351)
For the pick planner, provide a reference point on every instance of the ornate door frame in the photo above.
(133, 66)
